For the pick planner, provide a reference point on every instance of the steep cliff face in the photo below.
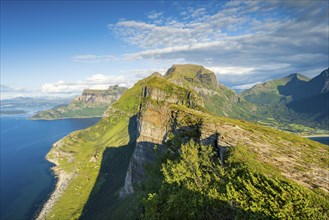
(153, 123)
(91, 103)
(100, 96)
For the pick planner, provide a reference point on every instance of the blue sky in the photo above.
(62, 47)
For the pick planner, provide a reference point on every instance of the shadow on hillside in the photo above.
(291, 87)
(104, 199)
(111, 178)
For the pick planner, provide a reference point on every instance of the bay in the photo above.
(322, 140)
(25, 174)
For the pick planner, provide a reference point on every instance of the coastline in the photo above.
(53, 119)
(63, 180)
(316, 135)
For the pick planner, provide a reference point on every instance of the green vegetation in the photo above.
(81, 153)
(192, 75)
(196, 186)
(275, 91)
(267, 173)
(294, 102)
(265, 93)
(218, 99)
(78, 111)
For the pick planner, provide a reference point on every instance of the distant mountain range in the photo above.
(307, 97)
(282, 103)
(29, 105)
(91, 103)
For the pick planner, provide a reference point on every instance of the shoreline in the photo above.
(63, 180)
(53, 119)
(315, 135)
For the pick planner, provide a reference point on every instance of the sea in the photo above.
(26, 179)
(323, 140)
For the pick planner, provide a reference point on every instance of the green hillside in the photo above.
(185, 163)
(294, 99)
(275, 91)
(218, 99)
(92, 103)
(313, 99)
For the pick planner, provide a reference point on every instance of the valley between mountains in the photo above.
(183, 146)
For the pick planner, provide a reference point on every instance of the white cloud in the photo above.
(245, 86)
(154, 15)
(143, 73)
(8, 92)
(234, 70)
(198, 12)
(97, 81)
(243, 41)
(89, 58)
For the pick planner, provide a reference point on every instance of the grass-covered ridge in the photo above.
(269, 163)
(275, 91)
(80, 154)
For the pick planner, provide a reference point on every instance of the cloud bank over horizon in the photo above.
(243, 42)
(259, 40)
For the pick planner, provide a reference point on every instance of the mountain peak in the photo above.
(191, 73)
(297, 76)
(325, 74)
(157, 74)
(113, 87)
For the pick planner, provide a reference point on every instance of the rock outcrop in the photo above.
(91, 103)
(192, 74)
(217, 98)
(157, 120)
(100, 96)
(153, 125)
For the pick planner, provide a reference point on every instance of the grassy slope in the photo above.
(276, 157)
(272, 164)
(84, 145)
(273, 91)
(195, 186)
(273, 111)
(78, 149)
(273, 147)
(265, 93)
(77, 112)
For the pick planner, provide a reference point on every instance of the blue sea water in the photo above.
(323, 140)
(25, 178)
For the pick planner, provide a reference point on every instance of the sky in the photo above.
(58, 48)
